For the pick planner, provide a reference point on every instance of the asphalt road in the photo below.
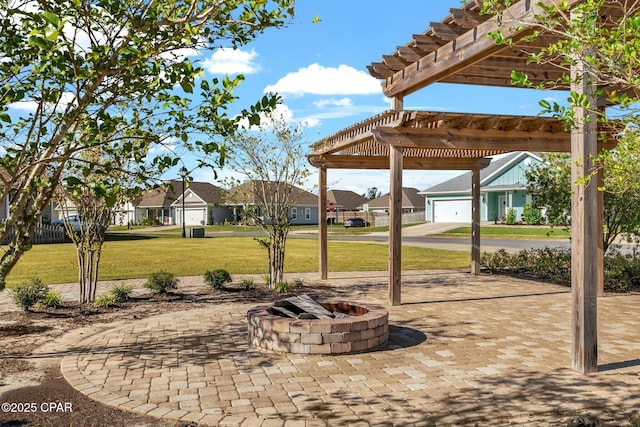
(452, 243)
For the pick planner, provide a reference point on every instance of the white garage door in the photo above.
(194, 216)
(452, 211)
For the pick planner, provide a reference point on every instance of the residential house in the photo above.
(412, 201)
(503, 185)
(304, 209)
(203, 204)
(345, 204)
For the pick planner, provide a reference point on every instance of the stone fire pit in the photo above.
(303, 325)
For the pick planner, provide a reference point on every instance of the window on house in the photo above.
(307, 213)
(294, 213)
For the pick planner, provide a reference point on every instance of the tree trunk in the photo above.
(276, 257)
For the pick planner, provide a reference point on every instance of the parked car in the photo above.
(356, 222)
(74, 221)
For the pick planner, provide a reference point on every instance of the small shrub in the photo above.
(282, 287)
(511, 216)
(621, 271)
(288, 287)
(105, 301)
(121, 293)
(495, 262)
(217, 278)
(247, 284)
(52, 299)
(160, 282)
(532, 215)
(28, 294)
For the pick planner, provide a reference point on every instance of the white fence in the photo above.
(408, 218)
(45, 233)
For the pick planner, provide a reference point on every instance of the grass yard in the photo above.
(138, 256)
(514, 232)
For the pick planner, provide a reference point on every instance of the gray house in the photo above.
(304, 209)
(202, 205)
(503, 185)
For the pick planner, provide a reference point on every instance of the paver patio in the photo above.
(463, 350)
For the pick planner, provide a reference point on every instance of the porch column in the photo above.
(585, 226)
(475, 221)
(395, 216)
(322, 222)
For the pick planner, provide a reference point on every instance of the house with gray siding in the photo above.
(503, 185)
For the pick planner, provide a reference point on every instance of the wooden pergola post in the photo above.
(475, 221)
(322, 222)
(395, 216)
(600, 261)
(584, 229)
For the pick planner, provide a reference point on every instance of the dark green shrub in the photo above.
(549, 264)
(621, 271)
(28, 294)
(532, 215)
(511, 216)
(160, 282)
(297, 283)
(52, 299)
(217, 278)
(121, 293)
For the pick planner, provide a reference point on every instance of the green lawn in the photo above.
(514, 232)
(130, 256)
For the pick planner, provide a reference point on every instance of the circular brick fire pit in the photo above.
(355, 328)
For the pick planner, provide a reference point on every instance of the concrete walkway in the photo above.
(463, 350)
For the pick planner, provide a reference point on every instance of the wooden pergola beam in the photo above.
(464, 50)
(413, 163)
(471, 139)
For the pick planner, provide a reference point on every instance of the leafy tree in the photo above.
(114, 74)
(274, 164)
(550, 186)
(608, 43)
(372, 193)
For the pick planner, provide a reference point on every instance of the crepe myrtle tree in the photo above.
(94, 199)
(550, 187)
(272, 164)
(607, 44)
(115, 74)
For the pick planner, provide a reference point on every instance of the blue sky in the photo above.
(320, 71)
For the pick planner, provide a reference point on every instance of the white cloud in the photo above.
(232, 61)
(318, 80)
(344, 102)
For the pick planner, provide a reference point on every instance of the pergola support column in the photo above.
(322, 222)
(395, 216)
(395, 226)
(585, 226)
(475, 221)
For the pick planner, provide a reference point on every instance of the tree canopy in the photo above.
(114, 74)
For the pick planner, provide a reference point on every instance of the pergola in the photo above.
(459, 50)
